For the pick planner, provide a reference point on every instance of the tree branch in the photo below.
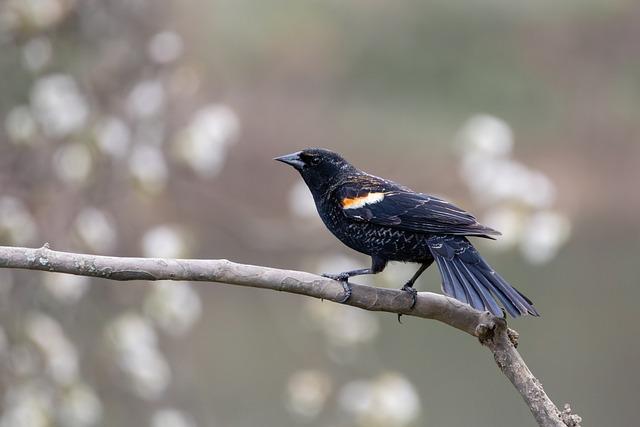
(490, 330)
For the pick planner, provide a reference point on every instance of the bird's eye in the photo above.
(314, 161)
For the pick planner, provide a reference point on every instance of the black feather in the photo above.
(487, 299)
(447, 286)
(458, 290)
(504, 299)
(473, 296)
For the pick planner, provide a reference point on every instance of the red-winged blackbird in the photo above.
(390, 222)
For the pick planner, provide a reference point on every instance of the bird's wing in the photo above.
(401, 208)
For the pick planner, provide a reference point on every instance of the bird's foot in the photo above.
(340, 277)
(343, 279)
(414, 294)
(408, 287)
(346, 287)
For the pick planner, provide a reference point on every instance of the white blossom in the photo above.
(79, 406)
(66, 288)
(29, 404)
(389, 400)
(58, 105)
(113, 136)
(170, 417)
(20, 125)
(60, 354)
(146, 99)
(148, 166)
(134, 342)
(174, 307)
(165, 47)
(487, 134)
(545, 232)
(307, 393)
(16, 221)
(204, 143)
(363, 326)
(164, 241)
(73, 163)
(96, 229)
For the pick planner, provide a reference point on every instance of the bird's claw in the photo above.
(414, 294)
(347, 292)
(343, 279)
(414, 297)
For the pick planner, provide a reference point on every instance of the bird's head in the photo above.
(318, 167)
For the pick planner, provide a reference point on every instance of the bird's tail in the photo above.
(468, 278)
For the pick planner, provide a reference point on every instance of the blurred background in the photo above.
(147, 128)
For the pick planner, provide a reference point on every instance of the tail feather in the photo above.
(473, 296)
(498, 292)
(468, 278)
(524, 296)
(487, 299)
(447, 280)
(458, 289)
(523, 303)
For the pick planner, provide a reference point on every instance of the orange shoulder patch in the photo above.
(360, 201)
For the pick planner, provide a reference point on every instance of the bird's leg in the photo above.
(343, 277)
(408, 287)
(377, 265)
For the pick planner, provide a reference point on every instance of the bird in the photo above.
(390, 222)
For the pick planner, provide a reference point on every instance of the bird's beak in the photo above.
(292, 159)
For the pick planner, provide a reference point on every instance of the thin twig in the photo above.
(490, 330)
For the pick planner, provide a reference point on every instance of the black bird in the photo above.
(391, 222)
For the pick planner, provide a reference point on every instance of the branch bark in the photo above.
(490, 330)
